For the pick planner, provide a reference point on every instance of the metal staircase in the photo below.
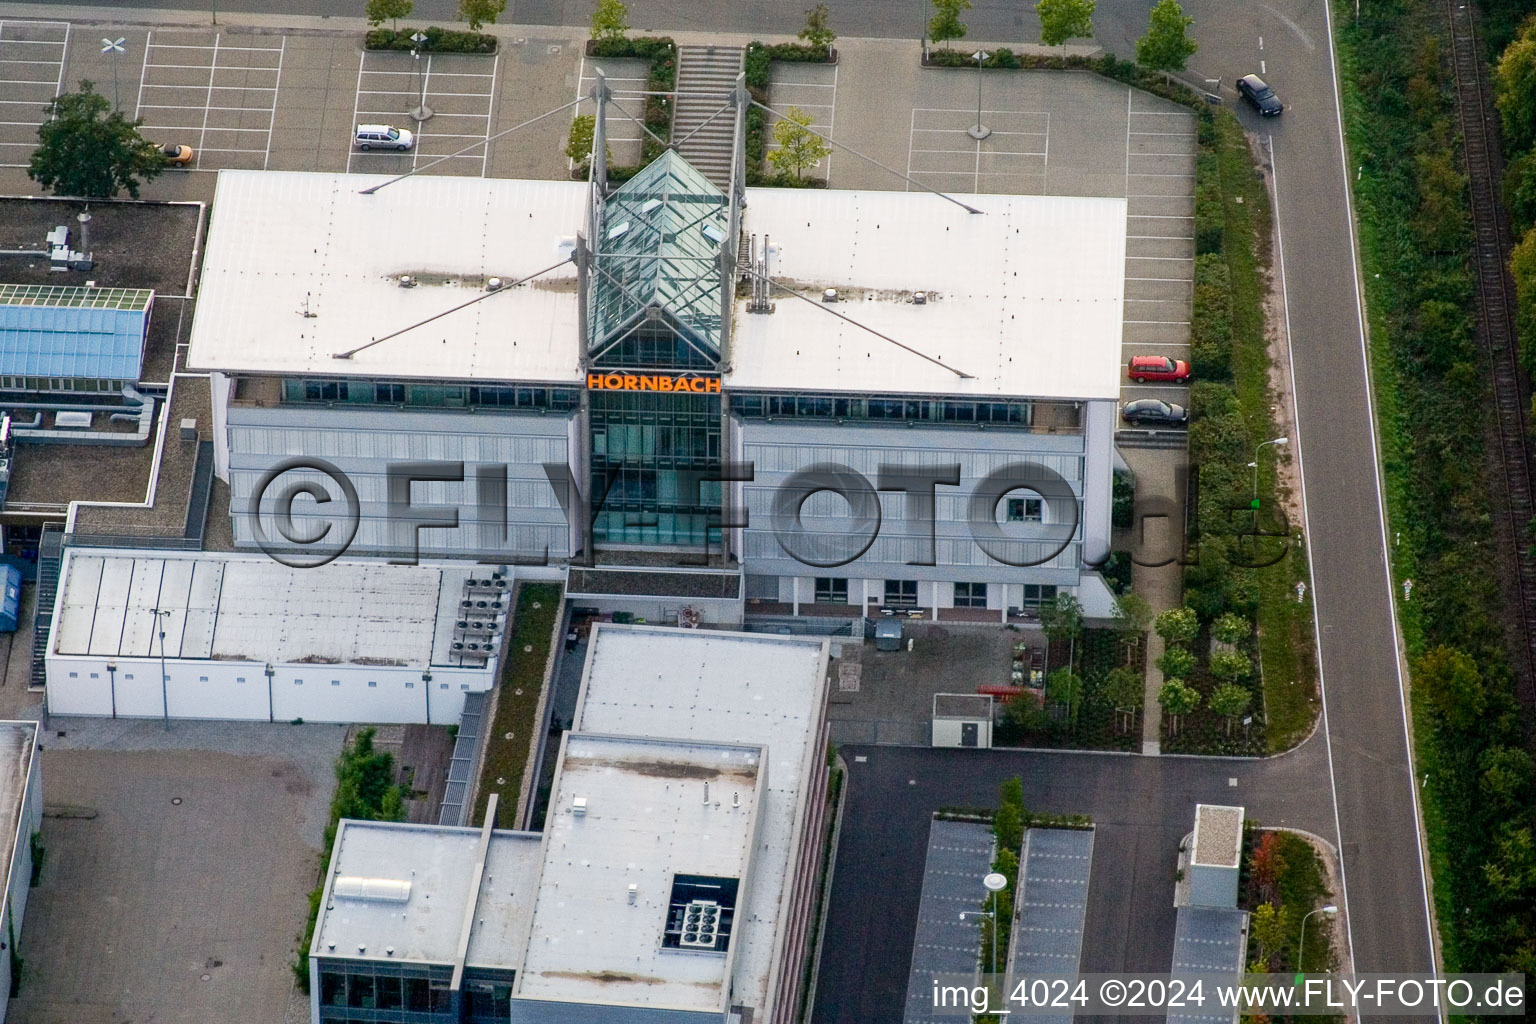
(705, 77)
(50, 558)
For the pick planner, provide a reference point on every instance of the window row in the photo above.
(431, 395)
(91, 385)
(763, 405)
(903, 593)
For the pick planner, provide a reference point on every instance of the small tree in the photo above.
(480, 13)
(1166, 46)
(89, 150)
(1126, 690)
(1177, 698)
(1231, 628)
(1455, 687)
(579, 145)
(1229, 701)
(1062, 619)
(818, 32)
(1065, 688)
(1514, 83)
(610, 21)
(1133, 614)
(1176, 663)
(1268, 865)
(1177, 625)
(945, 23)
(799, 147)
(1268, 930)
(380, 11)
(1061, 20)
(1230, 665)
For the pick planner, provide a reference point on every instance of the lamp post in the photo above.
(1254, 504)
(422, 111)
(165, 700)
(114, 47)
(981, 131)
(1301, 946)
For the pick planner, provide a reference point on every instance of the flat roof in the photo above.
(250, 608)
(437, 866)
(300, 266)
(1026, 299)
(1218, 836)
(646, 820)
(713, 687)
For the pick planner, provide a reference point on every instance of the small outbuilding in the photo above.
(962, 720)
(1215, 856)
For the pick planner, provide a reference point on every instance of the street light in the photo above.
(981, 131)
(1301, 946)
(422, 111)
(114, 47)
(165, 699)
(1255, 464)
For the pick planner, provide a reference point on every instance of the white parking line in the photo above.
(9, 45)
(266, 155)
(212, 71)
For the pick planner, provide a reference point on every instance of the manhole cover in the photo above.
(207, 976)
(176, 801)
(517, 692)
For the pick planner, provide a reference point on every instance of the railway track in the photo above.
(1495, 308)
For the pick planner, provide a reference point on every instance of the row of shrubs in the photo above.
(1415, 232)
(661, 53)
(439, 40)
(757, 69)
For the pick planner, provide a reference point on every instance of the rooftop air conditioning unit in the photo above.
(701, 925)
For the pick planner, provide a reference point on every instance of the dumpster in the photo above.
(888, 635)
(10, 598)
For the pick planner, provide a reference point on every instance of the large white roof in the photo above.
(283, 243)
(1026, 297)
(250, 608)
(707, 687)
(645, 820)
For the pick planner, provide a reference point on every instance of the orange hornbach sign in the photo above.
(653, 382)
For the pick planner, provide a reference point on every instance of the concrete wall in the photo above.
(363, 441)
(779, 449)
(948, 731)
(240, 690)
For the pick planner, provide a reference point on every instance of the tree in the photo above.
(480, 12)
(1454, 686)
(798, 146)
(945, 23)
(1231, 628)
(1125, 689)
(1507, 774)
(1062, 619)
(1133, 614)
(1267, 926)
(610, 21)
(1176, 663)
(1061, 20)
(1229, 701)
(380, 11)
(1166, 46)
(1268, 865)
(1177, 625)
(579, 145)
(1230, 665)
(818, 32)
(91, 151)
(1515, 90)
(1177, 698)
(1065, 688)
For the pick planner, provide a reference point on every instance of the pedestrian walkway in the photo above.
(703, 132)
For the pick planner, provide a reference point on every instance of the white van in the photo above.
(383, 136)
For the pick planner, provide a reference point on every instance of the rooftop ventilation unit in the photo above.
(579, 806)
(407, 281)
(384, 890)
(712, 233)
(650, 206)
(701, 925)
(919, 298)
(830, 295)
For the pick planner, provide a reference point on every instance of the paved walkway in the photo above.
(1163, 586)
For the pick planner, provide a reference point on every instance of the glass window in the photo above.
(360, 991)
(389, 394)
(389, 993)
(418, 998)
(1024, 510)
(970, 595)
(1036, 594)
(901, 593)
(831, 590)
(333, 988)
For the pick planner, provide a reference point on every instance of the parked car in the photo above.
(1153, 412)
(383, 136)
(1263, 98)
(1144, 368)
(177, 155)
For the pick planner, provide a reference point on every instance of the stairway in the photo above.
(50, 559)
(705, 77)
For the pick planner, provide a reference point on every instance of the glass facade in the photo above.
(357, 992)
(884, 408)
(531, 398)
(650, 453)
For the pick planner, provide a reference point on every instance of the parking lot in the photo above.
(31, 74)
(215, 94)
(627, 78)
(459, 90)
(812, 88)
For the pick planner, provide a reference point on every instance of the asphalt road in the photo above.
(1370, 787)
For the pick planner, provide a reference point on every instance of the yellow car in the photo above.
(177, 155)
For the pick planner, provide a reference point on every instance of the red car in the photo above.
(1145, 368)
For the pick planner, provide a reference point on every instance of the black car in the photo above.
(1152, 412)
(1263, 98)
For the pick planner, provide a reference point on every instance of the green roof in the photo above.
(75, 297)
(658, 239)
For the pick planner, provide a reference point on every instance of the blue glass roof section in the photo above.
(656, 253)
(51, 331)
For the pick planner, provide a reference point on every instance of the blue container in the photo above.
(10, 600)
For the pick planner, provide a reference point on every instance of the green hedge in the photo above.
(439, 40)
